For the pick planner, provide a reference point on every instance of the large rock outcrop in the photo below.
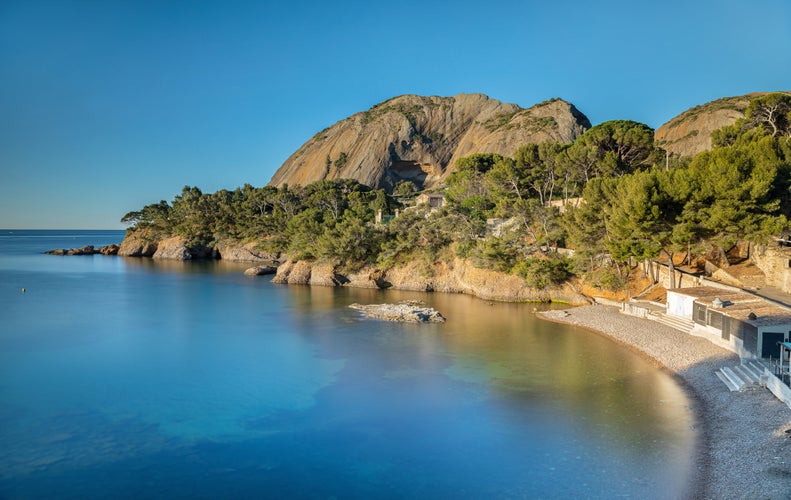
(419, 138)
(174, 248)
(244, 252)
(457, 276)
(690, 132)
(137, 244)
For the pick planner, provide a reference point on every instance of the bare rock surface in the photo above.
(244, 252)
(260, 270)
(419, 138)
(174, 248)
(135, 244)
(409, 311)
(690, 132)
(458, 276)
(744, 445)
(86, 250)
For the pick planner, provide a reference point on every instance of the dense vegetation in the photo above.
(636, 202)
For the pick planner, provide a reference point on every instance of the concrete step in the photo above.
(735, 379)
(728, 383)
(672, 321)
(746, 375)
(753, 372)
(758, 368)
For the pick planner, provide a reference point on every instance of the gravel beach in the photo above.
(744, 450)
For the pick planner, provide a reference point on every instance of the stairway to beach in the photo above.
(743, 375)
(672, 321)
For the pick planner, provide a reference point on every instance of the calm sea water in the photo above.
(129, 378)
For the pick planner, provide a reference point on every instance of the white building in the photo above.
(741, 322)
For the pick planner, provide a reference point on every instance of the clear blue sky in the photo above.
(106, 106)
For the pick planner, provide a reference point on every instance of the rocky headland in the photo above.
(139, 244)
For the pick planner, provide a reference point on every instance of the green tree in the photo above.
(738, 190)
(405, 189)
(772, 112)
(612, 149)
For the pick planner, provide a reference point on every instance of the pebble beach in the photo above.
(744, 449)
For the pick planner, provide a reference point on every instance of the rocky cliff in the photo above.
(419, 138)
(690, 132)
(457, 276)
(140, 244)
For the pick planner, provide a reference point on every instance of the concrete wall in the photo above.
(680, 280)
(684, 280)
(778, 388)
(713, 335)
(633, 309)
(680, 305)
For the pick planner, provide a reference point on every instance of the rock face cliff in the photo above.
(456, 276)
(419, 139)
(690, 132)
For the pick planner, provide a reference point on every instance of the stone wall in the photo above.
(775, 262)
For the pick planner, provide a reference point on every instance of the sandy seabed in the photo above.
(743, 448)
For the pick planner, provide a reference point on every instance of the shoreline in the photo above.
(742, 449)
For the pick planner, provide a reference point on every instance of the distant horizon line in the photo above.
(60, 229)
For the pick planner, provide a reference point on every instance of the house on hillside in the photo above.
(741, 322)
(565, 204)
(433, 200)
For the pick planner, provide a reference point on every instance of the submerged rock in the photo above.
(412, 312)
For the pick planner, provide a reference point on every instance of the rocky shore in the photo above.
(86, 250)
(744, 445)
(456, 276)
(409, 312)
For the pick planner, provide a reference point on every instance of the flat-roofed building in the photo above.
(744, 323)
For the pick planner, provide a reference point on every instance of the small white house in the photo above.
(741, 322)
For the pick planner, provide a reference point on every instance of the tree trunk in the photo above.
(671, 270)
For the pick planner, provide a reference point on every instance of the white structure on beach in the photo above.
(741, 322)
(748, 325)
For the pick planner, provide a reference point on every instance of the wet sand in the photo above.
(743, 448)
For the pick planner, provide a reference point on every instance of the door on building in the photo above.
(769, 345)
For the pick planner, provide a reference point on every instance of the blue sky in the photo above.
(106, 106)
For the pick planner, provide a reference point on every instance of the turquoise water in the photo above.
(131, 378)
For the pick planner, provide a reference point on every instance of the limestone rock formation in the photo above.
(243, 252)
(457, 276)
(420, 138)
(409, 312)
(174, 248)
(690, 132)
(260, 270)
(86, 250)
(135, 244)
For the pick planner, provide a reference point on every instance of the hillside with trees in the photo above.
(612, 196)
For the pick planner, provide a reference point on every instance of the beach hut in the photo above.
(739, 321)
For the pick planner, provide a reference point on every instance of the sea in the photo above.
(135, 378)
